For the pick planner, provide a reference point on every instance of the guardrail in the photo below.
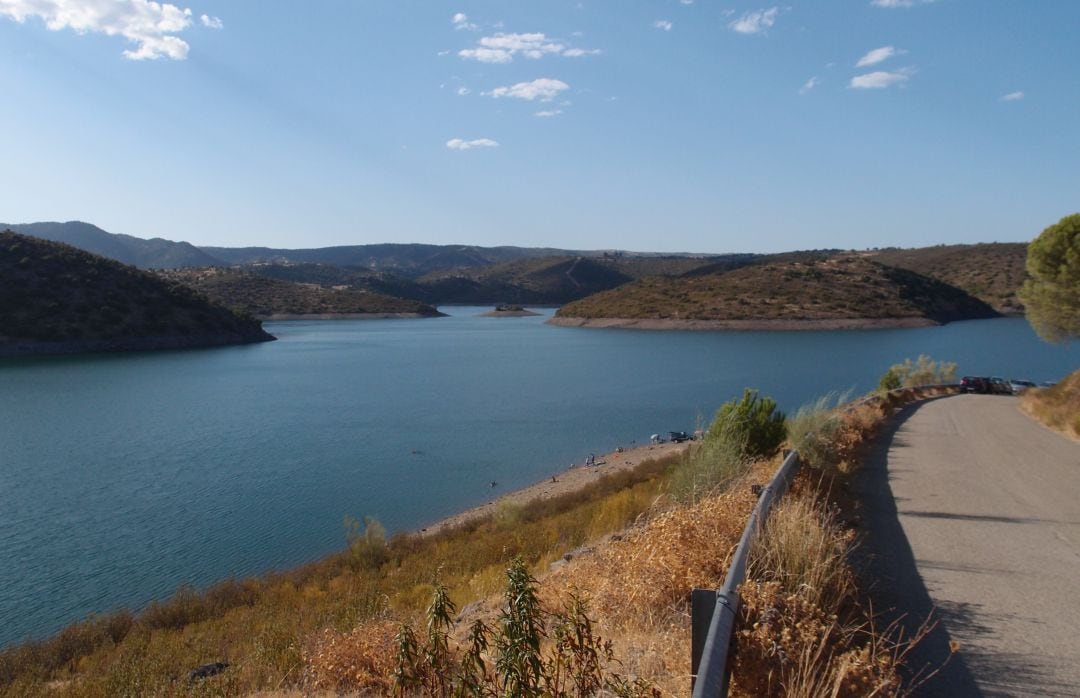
(713, 612)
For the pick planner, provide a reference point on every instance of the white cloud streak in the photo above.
(151, 26)
(755, 22)
(662, 24)
(548, 113)
(543, 89)
(501, 48)
(1012, 97)
(877, 56)
(879, 79)
(460, 144)
(809, 85)
(893, 4)
(211, 22)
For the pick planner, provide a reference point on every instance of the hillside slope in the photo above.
(55, 299)
(155, 253)
(992, 272)
(838, 291)
(266, 297)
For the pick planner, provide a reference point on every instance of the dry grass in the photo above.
(1057, 407)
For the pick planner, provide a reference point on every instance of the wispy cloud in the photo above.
(1012, 97)
(460, 144)
(463, 91)
(461, 21)
(151, 26)
(212, 22)
(686, 2)
(501, 48)
(809, 85)
(892, 4)
(548, 113)
(877, 56)
(755, 22)
(880, 79)
(543, 89)
(662, 24)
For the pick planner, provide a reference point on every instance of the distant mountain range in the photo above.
(155, 253)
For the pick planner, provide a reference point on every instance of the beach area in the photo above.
(578, 476)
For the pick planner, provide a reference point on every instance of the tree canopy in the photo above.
(1052, 294)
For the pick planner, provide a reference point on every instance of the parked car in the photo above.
(1019, 386)
(974, 384)
(678, 437)
(1000, 386)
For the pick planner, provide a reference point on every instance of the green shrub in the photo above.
(813, 430)
(755, 421)
(924, 371)
(712, 466)
(890, 380)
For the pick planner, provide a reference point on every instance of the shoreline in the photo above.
(777, 325)
(570, 480)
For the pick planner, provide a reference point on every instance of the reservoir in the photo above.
(125, 476)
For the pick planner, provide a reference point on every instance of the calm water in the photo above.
(122, 477)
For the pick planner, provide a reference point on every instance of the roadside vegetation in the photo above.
(923, 371)
(1057, 407)
(561, 597)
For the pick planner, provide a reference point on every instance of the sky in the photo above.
(649, 125)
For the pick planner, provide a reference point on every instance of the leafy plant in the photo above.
(752, 420)
(924, 371)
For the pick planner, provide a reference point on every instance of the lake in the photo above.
(124, 476)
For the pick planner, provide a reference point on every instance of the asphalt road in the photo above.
(972, 511)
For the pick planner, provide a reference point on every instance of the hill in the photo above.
(410, 260)
(155, 253)
(992, 272)
(266, 297)
(547, 281)
(55, 299)
(818, 291)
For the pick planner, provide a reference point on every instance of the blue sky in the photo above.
(660, 125)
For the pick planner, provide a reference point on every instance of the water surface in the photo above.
(123, 476)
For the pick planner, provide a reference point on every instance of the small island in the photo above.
(509, 310)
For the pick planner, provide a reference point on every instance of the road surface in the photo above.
(973, 510)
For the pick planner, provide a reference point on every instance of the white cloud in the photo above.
(461, 21)
(809, 85)
(212, 22)
(877, 56)
(893, 4)
(687, 2)
(459, 144)
(501, 48)
(579, 52)
(1012, 97)
(755, 22)
(463, 91)
(879, 79)
(662, 24)
(548, 113)
(544, 89)
(151, 26)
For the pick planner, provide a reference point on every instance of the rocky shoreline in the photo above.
(744, 325)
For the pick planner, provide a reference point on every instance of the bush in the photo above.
(924, 371)
(755, 422)
(813, 431)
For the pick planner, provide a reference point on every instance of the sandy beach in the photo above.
(569, 480)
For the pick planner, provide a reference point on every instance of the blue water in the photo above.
(123, 476)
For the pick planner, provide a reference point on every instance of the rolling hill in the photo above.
(826, 290)
(155, 253)
(55, 299)
(992, 272)
(268, 298)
